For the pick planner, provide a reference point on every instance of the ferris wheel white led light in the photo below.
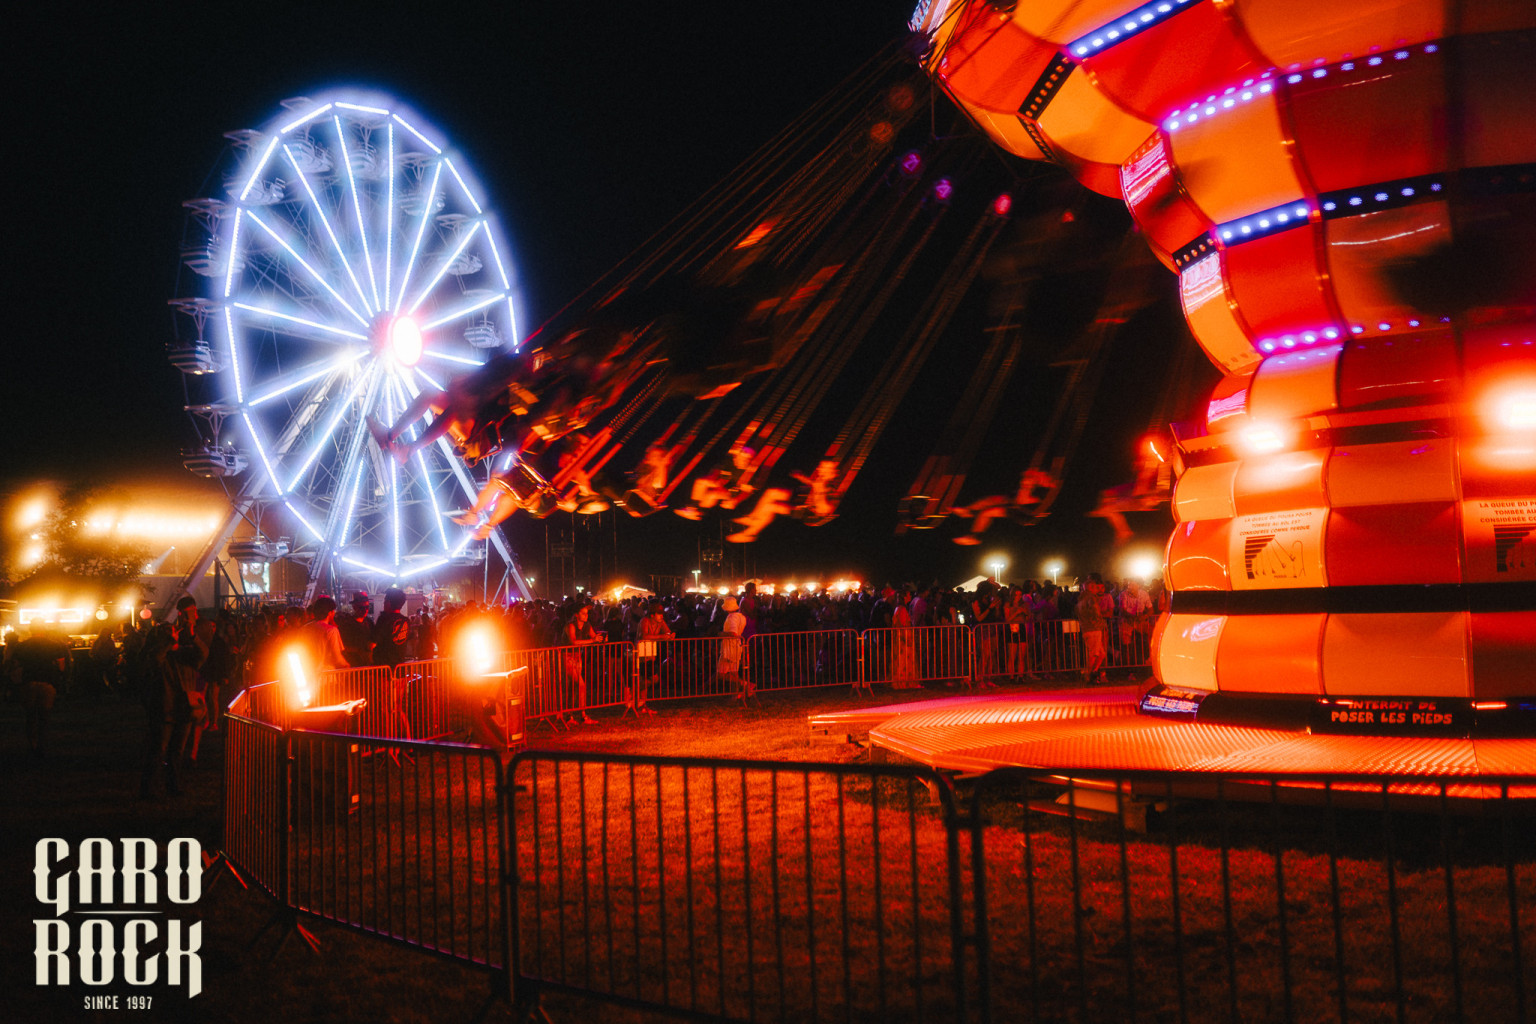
(352, 254)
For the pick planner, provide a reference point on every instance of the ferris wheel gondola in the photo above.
(350, 266)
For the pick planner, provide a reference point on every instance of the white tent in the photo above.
(973, 582)
(628, 590)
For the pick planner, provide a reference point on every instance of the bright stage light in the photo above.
(405, 342)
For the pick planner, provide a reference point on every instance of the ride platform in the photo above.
(1102, 730)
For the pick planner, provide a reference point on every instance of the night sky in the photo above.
(589, 126)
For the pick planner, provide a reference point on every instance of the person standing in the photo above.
(321, 637)
(387, 642)
(652, 630)
(1136, 621)
(732, 649)
(578, 634)
(357, 631)
(1092, 625)
(903, 645)
(42, 660)
(391, 633)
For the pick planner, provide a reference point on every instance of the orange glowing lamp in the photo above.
(477, 654)
(298, 679)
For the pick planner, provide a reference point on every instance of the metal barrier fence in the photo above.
(400, 839)
(736, 890)
(1055, 646)
(919, 654)
(1303, 897)
(422, 699)
(750, 890)
(563, 680)
(254, 751)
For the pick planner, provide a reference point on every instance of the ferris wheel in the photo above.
(350, 267)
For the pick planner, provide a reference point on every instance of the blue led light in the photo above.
(1401, 55)
(1381, 197)
(1288, 341)
(1357, 329)
(1330, 333)
(1355, 200)
(1407, 192)
(1431, 48)
(1133, 22)
(1320, 73)
(1348, 65)
(1330, 206)
(1383, 327)
(1413, 323)
(1293, 79)
(1267, 346)
(1374, 62)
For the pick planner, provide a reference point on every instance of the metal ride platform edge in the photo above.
(1103, 730)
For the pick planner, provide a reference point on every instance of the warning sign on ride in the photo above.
(1393, 716)
(1501, 539)
(1273, 550)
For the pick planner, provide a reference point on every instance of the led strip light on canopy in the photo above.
(353, 244)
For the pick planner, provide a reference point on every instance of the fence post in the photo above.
(952, 826)
(970, 640)
(284, 822)
(863, 682)
(506, 818)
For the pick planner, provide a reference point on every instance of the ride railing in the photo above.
(909, 656)
(735, 890)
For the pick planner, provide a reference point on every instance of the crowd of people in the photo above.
(185, 670)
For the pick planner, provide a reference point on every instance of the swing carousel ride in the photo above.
(355, 366)
(1346, 194)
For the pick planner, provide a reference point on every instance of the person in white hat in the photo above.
(732, 650)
